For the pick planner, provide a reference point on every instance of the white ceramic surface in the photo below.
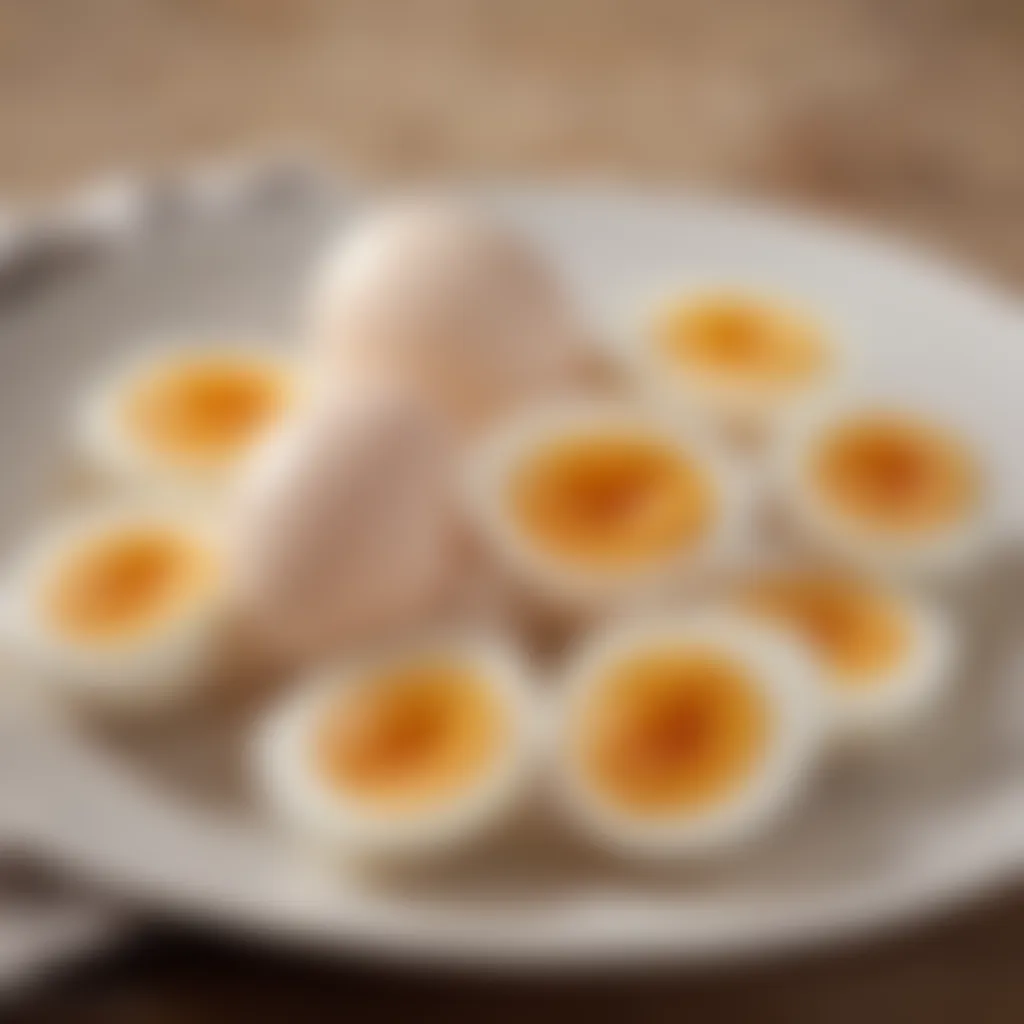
(168, 820)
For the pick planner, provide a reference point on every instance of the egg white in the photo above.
(748, 409)
(347, 828)
(775, 664)
(109, 445)
(586, 587)
(142, 673)
(943, 552)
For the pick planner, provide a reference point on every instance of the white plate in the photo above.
(902, 838)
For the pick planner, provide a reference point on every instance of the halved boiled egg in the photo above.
(595, 500)
(891, 488)
(186, 415)
(686, 735)
(743, 357)
(120, 606)
(407, 754)
(885, 655)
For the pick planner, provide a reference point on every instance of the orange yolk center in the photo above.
(208, 409)
(897, 474)
(672, 731)
(611, 501)
(411, 739)
(859, 632)
(743, 340)
(125, 584)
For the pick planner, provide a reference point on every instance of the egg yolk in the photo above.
(610, 501)
(411, 739)
(673, 731)
(897, 474)
(207, 409)
(742, 339)
(860, 632)
(120, 586)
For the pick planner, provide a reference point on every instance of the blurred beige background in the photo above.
(906, 114)
(902, 111)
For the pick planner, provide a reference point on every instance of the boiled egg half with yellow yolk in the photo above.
(744, 358)
(408, 754)
(885, 655)
(186, 416)
(685, 735)
(890, 488)
(119, 606)
(595, 501)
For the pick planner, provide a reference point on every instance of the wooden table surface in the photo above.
(906, 115)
